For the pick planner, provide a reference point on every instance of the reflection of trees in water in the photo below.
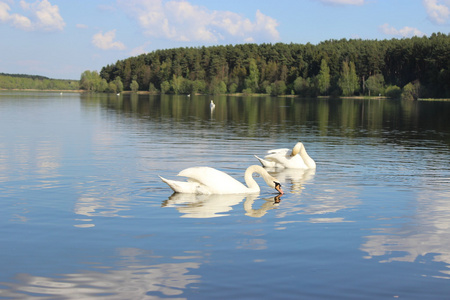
(426, 233)
(350, 115)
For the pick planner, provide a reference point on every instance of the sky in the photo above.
(61, 39)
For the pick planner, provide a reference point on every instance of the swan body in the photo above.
(281, 158)
(212, 105)
(206, 180)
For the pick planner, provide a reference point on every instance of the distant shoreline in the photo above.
(38, 90)
(234, 94)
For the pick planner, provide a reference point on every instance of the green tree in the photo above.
(251, 82)
(102, 85)
(176, 84)
(257, 67)
(375, 84)
(127, 74)
(233, 88)
(323, 79)
(118, 82)
(278, 88)
(301, 86)
(87, 81)
(393, 92)
(92, 82)
(348, 81)
(112, 88)
(411, 91)
(134, 86)
(152, 89)
(165, 87)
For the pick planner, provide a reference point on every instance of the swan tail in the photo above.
(181, 186)
(266, 163)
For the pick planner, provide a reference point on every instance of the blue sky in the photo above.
(63, 38)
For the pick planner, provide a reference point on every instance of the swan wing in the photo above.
(283, 151)
(286, 161)
(215, 181)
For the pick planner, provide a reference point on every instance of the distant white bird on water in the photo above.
(212, 105)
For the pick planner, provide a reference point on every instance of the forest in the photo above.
(35, 82)
(412, 67)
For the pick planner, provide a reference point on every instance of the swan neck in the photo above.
(307, 159)
(250, 181)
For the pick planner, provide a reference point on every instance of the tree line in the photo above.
(35, 82)
(415, 67)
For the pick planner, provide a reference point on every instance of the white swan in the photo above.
(206, 180)
(212, 105)
(281, 158)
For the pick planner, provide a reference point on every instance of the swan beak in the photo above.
(278, 188)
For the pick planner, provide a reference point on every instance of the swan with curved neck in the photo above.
(206, 180)
(281, 158)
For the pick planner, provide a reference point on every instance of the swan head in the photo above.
(278, 187)
(296, 149)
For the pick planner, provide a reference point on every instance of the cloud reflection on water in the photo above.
(94, 206)
(425, 234)
(132, 282)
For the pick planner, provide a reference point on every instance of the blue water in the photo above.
(83, 213)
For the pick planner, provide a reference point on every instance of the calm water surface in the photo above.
(83, 213)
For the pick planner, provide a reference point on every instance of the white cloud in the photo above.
(4, 12)
(343, 2)
(106, 41)
(403, 32)
(179, 20)
(21, 22)
(41, 16)
(138, 50)
(438, 12)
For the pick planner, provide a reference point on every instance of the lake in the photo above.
(83, 213)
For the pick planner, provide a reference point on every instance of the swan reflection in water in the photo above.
(212, 206)
(295, 177)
